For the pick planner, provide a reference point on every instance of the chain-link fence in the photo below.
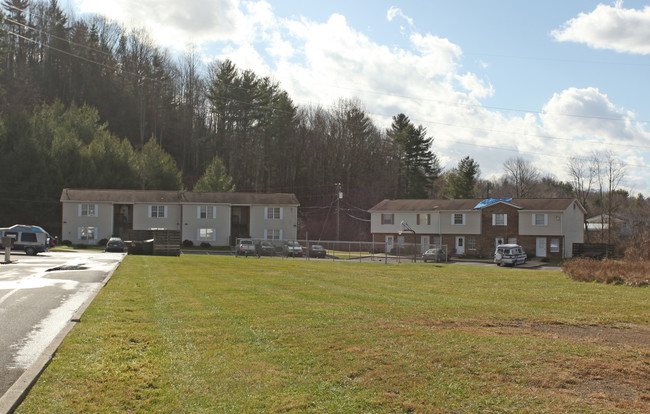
(343, 250)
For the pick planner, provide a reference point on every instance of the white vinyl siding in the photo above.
(87, 210)
(158, 211)
(206, 212)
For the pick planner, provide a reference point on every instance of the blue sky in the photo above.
(490, 79)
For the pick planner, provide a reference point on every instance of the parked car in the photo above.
(267, 248)
(316, 250)
(115, 244)
(293, 249)
(434, 255)
(246, 247)
(512, 254)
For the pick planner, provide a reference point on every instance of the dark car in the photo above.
(434, 255)
(316, 250)
(267, 248)
(115, 244)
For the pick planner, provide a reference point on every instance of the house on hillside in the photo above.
(216, 218)
(545, 227)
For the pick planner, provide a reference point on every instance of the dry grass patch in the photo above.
(631, 273)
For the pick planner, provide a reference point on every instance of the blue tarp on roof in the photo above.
(489, 201)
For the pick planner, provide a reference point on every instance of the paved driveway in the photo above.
(39, 295)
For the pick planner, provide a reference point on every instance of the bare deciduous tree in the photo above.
(523, 175)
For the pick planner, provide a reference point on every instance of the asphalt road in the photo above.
(39, 295)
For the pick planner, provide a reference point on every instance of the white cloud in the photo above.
(394, 12)
(173, 23)
(610, 27)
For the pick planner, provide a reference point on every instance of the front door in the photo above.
(460, 245)
(424, 244)
(390, 241)
(540, 251)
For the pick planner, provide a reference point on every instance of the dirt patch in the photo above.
(628, 334)
(620, 381)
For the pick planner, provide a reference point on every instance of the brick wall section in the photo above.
(487, 240)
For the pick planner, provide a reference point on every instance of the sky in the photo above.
(493, 80)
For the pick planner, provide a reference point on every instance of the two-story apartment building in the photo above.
(216, 218)
(544, 227)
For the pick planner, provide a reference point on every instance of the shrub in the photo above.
(81, 246)
(102, 242)
(632, 273)
(66, 243)
(188, 243)
(205, 245)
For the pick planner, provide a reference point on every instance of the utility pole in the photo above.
(339, 196)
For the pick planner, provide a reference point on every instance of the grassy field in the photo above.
(222, 334)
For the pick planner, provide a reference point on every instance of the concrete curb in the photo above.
(17, 393)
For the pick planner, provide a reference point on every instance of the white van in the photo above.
(512, 254)
(31, 239)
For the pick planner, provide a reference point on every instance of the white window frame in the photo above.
(535, 219)
(157, 208)
(157, 228)
(554, 245)
(206, 234)
(495, 219)
(206, 212)
(272, 234)
(470, 243)
(453, 219)
(85, 210)
(273, 213)
(85, 231)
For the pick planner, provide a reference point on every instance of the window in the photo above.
(458, 219)
(207, 235)
(274, 213)
(555, 246)
(512, 240)
(273, 234)
(88, 210)
(387, 219)
(424, 219)
(499, 219)
(206, 212)
(157, 228)
(87, 233)
(157, 211)
(540, 219)
(28, 237)
(471, 243)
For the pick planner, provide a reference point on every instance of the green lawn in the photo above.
(223, 334)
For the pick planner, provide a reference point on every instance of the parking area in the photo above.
(39, 300)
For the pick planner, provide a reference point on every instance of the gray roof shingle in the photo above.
(154, 196)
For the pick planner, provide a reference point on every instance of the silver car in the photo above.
(512, 254)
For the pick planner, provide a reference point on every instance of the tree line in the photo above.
(86, 103)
